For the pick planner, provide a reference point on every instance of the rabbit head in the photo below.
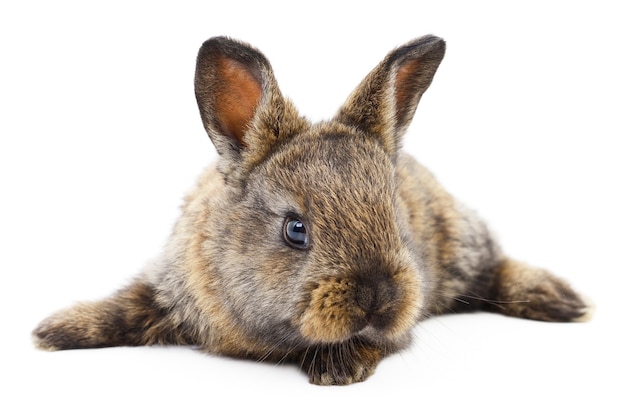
(311, 236)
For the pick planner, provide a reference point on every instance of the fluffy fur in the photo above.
(385, 245)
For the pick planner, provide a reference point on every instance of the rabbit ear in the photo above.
(385, 101)
(240, 104)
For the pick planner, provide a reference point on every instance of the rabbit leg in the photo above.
(524, 291)
(340, 363)
(130, 317)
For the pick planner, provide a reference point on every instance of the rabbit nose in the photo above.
(373, 294)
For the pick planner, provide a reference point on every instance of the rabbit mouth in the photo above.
(370, 332)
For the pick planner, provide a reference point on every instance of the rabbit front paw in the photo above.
(340, 363)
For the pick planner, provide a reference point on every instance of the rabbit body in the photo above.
(320, 244)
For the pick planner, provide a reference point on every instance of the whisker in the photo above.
(331, 363)
(271, 350)
(474, 296)
(313, 359)
(286, 355)
(306, 351)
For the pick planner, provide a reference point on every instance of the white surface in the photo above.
(100, 138)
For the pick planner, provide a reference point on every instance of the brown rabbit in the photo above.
(321, 244)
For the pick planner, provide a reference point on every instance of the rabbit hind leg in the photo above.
(524, 291)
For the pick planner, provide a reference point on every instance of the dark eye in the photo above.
(295, 233)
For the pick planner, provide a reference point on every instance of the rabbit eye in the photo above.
(295, 233)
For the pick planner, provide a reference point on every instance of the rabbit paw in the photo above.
(341, 363)
(67, 329)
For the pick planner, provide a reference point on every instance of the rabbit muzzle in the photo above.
(373, 304)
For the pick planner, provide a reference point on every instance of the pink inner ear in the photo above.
(406, 86)
(237, 97)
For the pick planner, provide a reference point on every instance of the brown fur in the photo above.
(386, 245)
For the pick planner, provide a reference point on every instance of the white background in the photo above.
(100, 138)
